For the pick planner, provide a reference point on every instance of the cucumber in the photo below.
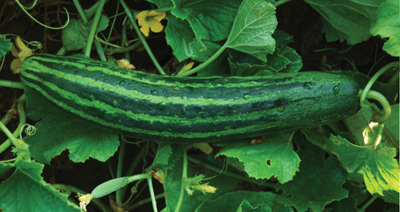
(189, 109)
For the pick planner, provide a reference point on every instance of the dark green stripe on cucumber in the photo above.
(190, 109)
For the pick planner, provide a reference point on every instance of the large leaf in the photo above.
(5, 45)
(391, 130)
(274, 157)
(346, 20)
(172, 186)
(318, 183)
(251, 32)
(388, 25)
(284, 59)
(242, 201)
(25, 190)
(181, 38)
(162, 3)
(167, 155)
(75, 35)
(209, 19)
(378, 166)
(59, 131)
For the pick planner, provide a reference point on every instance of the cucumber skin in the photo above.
(191, 109)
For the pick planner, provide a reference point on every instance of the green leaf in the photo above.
(379, 167)
(282, 38)
(167, 155)
(319, 136)
(360, 126)
(295, 59)
(346, 20)
(251, 32)
(162, 3)
(274, 157)
(75, 35)
(318, 183)
(25, 190)
(173, 180)
(184, 44)
(218, 67)
(391, 130)
(344, 205)
(242, 64)
(277, 61)
(210, 19)
(388, 25)
(58, 131)
(357, 192)
(235, 201)
(5, 45)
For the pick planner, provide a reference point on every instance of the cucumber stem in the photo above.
(204, 64)
(10, 84)
(118, 194)
(153, 197)
(382, 100)
(374, 78)
(184, 176)
(142, 38)
(379, 135)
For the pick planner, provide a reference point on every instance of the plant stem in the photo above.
(119, 170)
(383, 101)
(8, 133)
(152, 196)
(101, 205)
(133, 166)
(113, 23)
(141, 202)
(280, 2)
(11, 84)
(165, 9)
(80, 11)
(184, 176)
(92, 10)
(394, 78)
(391, 138)
(106, 43)
(142, 38)
(374, 78)
(100, 51)
(138, 177)
(95, 23)
(379, 135)
(125, 49)
(230, 174)
(204, 64)
(365, 206)
(124, 40)
(22, 120)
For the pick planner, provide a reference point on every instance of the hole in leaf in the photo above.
(268, 162)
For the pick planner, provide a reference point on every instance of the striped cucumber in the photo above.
(189, 109)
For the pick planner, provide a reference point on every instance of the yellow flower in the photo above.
(205, 188)
(150, 21)
(125, 64)
(20, 55)
(84, 200)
